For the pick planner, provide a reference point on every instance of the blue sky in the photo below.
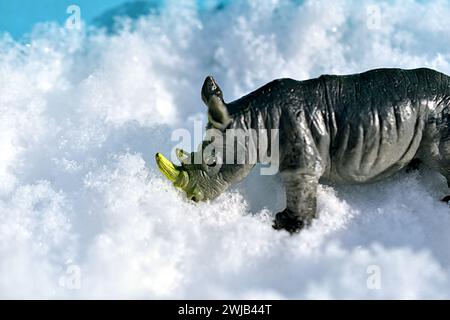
(18, 17)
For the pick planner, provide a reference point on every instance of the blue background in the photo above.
(18, 17)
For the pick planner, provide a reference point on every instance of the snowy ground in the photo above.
(85, 214)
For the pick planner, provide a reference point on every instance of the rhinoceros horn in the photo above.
(213, 98)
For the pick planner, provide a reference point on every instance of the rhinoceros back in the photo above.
(377, 120)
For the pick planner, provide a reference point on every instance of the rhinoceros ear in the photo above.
(213, 98)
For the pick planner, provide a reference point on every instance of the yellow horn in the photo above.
(167, 168)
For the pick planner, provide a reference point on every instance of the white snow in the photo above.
(84, 213)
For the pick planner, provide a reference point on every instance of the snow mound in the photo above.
(85, 214)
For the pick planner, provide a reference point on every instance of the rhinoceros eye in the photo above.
(211, 161)
(212, 164)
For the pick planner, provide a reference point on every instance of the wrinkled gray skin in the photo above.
(349, 129)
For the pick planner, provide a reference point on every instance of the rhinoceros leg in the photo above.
(441, 167)
(446, 174)
(413, 165)
(435, 152)
(301, 199)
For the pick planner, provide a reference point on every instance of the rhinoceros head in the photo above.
(204, 174)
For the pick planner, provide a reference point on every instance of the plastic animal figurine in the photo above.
(349, 129)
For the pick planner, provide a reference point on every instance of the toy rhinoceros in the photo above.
(349, 129)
